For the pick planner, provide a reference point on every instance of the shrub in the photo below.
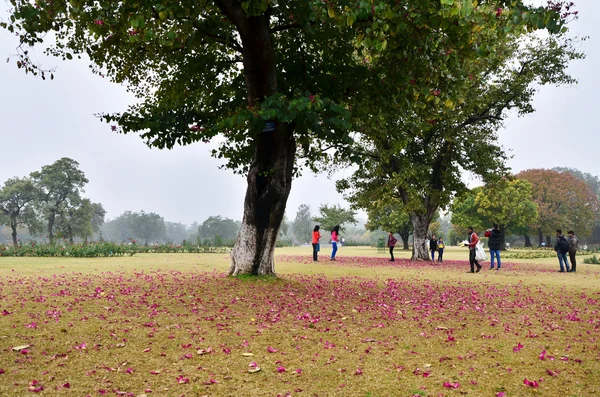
(592, 261)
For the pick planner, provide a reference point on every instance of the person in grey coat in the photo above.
(573, 247)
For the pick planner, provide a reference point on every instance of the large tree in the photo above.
(564, 202)
(276, 79)
(507, 202)
(16, 199)
(80, 218)
(421, 149)
(331, 216)
(60, 184)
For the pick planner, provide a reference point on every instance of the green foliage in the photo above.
(303, 224)
(147, 227)
(17, 198)
(183, 60)
(103, 249)
(60, 185)
(537, 254)
(218, 228)
(335, 215)
(592, 261)
(507, 202)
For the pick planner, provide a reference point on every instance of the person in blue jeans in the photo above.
(562, 249)
(494, 236)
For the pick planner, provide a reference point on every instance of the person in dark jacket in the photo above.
(562, 248)
(494, 236)
(573, 247)
(441, 247)
(391, 244)
(433, 247)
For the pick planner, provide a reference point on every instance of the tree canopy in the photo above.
(421, 148)
(564, 202)
(281, 82)
(331, 216)
(17, 198)
(507, 202)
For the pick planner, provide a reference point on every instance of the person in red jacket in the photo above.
(473, 240)
(391, 243)
(316, 236)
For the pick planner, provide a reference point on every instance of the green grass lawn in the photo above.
(174, 324)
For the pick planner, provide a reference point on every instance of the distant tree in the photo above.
(16, 199)
(335, 215)
(285, 227)
(148, 226)
(119, 229)
(594, 183)
(217, 228)
(60, 184)
(507, 202)
(83, 220)
(303, 224)
(591, 180)
(176, 232)
(563, 200)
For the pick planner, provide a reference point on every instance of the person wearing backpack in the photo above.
(562, 248)
(573, 247)
(494, 243)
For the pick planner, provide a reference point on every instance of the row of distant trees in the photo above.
(50, 202)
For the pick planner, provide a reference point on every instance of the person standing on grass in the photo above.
(494, 243)
(573, 247)
(440, 247)
(391, 244)
(335, 235)
(472, 243)
(433, 246)
(316, 236)
(562, 247)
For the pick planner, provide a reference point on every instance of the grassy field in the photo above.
(175, 325)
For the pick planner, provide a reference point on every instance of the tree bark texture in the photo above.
(528, 241)
(420, 224)
(270, 174)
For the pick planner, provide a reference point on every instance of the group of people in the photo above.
(437, 246)
(562, 247)
(335, 240)
(566, 246)
(494, 236)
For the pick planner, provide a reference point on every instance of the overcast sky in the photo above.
(43, 121)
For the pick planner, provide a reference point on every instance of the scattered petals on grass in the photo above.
(531, 383)
(452, 385)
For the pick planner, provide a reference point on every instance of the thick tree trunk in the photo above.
(540, 237)
(548, 241)
(405, 242)
(527, 241)
(420, 224)
(270, 174)
(404, 235)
